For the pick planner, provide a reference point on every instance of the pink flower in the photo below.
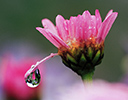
(80, 40)
(14, 85)
(99, 90)
(81, 28)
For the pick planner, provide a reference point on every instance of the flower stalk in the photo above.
(87, 78)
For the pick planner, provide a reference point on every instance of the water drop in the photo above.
(66, 28)
(90, 27)
(33, 79)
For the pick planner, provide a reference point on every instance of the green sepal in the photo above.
(66, 63)
(102, 52)
(98, 62)
(76, 53)
(82, 60)
(70, 58)
(96, 58)
(90, 52)
(74, 67)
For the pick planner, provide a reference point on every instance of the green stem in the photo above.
(87, 78)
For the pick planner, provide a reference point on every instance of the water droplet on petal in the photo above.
(66, 28)
(33, 79)
(90, 27)
(71, 23)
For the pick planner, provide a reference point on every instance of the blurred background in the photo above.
(19, 18)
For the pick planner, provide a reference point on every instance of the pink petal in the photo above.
(87, 18)
(98, 19)
(41, 30)
(79, 27)
(49, 25)
(93, 25)
(106, 25)
(61, 27)
(52, 37)
(72, 28)
(108, 14)
(59, 40)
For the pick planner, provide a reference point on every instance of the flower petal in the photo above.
(98, 19)
(93, 25)
(79, 27)
(106, 25)
(52, 37)
(49, 25)
(87, 24)
(108, 14)
(62, 27)
(72, 28)
(41, 30)
(58, 40)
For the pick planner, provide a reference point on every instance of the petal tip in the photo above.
(111, 10)
(86, 11)
(45, 22)
(97, 10)
(116, 13)
(59, 16)
(38, 28)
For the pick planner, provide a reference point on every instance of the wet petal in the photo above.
(98, 19)
(72, 28)
(88, 24)
(61, 27)
(108, 14)
(58, 42)
(106, 25)
(93, 25)
(79, 27)
(41, 30)
(49, 25)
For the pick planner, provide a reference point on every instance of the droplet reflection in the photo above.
(33, 79)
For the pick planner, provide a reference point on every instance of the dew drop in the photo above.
(90, 27)
(33, 79)
(66, 28)
(72, 23)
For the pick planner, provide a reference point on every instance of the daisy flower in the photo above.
(80, 40)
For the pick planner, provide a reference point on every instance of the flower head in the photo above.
(73, 32)
(80, 40)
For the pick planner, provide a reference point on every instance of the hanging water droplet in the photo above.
(33, 79)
